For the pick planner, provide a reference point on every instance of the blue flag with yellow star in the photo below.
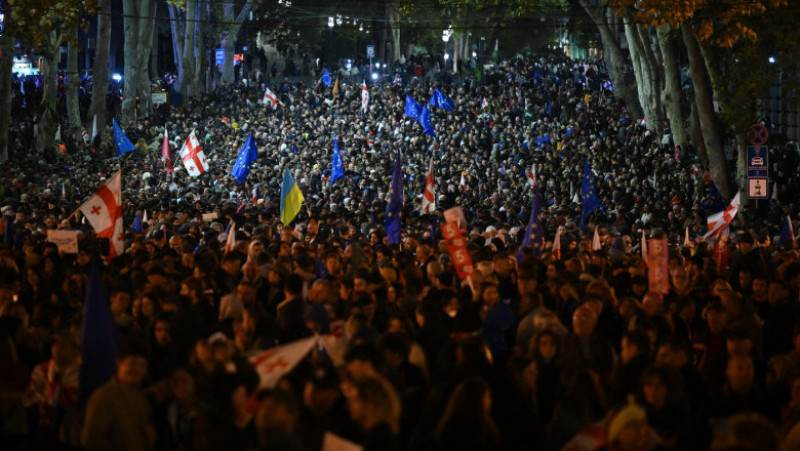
(413, 109)
(248, 154)
(533, 233)
(395, 204)
(425, 121)
(337, 166)
(588, 194)
(121, 142)
(440, 100)
(326, 79)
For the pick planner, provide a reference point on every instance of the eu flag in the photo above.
(122, 143)
(533, 233)
(337, 167)
(440, 100)
(412, 107)
(326, 79)
(99, 337)
(395, 204)
(248, 154)
(137, 223)
(588, 195)
(425, 121)
(787, 233)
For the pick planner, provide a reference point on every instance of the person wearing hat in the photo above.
(629, 430)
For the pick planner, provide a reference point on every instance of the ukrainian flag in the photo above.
(291, 198)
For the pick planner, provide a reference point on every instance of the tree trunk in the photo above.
(673, 94)
(154, 54)
(73, 81)
(47, 119)
(616, 62)
(703, 94)
(187, 58)
(6, 63)
(177, 27)
(655, 85)
(139, 21)
(395, 32)
(696, 134)
(228, 38)
(741, 159)
(200, 60)
(647, 81)
(101, 66)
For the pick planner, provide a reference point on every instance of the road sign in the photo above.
(370, 51)
(757, 161)
(757, 134)
(219, 57)
(758, 188)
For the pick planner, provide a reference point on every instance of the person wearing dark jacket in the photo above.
(290, 312)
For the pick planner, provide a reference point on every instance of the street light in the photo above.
(446, 37)
(330, 22)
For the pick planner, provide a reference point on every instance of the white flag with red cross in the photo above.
(274, 363)
(104, 212)
(429, 196)
(720, 220)
(193, 157)
(364, 97)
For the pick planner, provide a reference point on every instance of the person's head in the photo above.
(759, 286)
(246, 292)
(634, 343)
(738, 342)
(333, 263)
(489, 294)
(629, 430)
(363, 361)
(373, 401)
(746, 431)
(716, 317)
(655, 386)
(320, 291)
(182, 384)
(293, 286)
(584, 321)
(527, 281)
(546, 345)
(131, 362)
(680, 279)
(469, 407)
(277, 412)
(162, 331)
(321, 391)
(778, 292)
(64, 348)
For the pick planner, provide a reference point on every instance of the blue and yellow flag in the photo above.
(588, 194)
(533, 233)
(121, 142)
(326, 79)
(395, 203)
(413, 109)
(337, 166)
(248, 154)
(440, 100)
(425, 121)
(291, 198)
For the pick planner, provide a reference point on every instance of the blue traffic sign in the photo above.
(757, 161)
(219, 57)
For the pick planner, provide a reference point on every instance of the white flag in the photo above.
(193, 157)
(364, 97)
(721, 220)
(274, 363)
(104, 213)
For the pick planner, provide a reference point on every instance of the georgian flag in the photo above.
(193, 157)
(720, 220)
(557, 243)
(271, 98)
(596, 245)
(104, 212)
(429, 196)
(364, 97)
(532, 176)
(274, 363)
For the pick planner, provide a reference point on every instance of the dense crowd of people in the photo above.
(537, 352)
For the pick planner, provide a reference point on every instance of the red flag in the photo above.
(166, 154)
(428, 197)
(657, 265)
(193, 157)
(104, 213)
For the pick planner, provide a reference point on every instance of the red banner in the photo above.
(457, 247)
(657, 265)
